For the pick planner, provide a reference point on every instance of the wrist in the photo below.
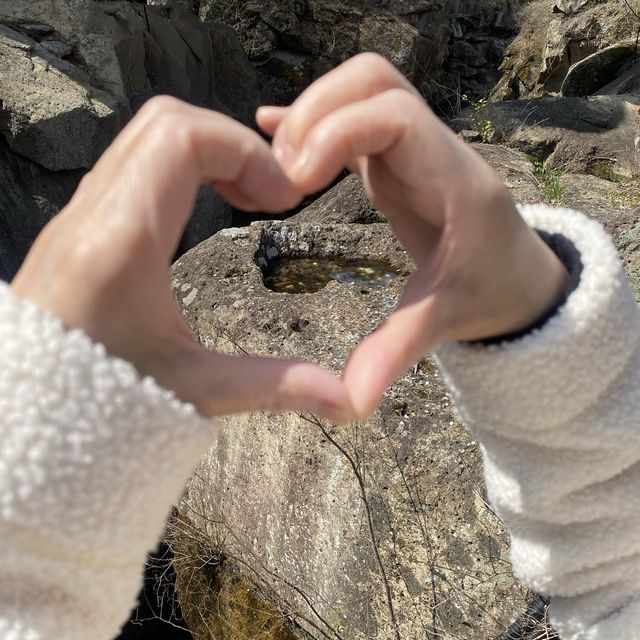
(510, 280)
(540, 284)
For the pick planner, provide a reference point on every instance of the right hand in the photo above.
(482, 272)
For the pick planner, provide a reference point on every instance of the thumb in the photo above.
(401, 340)
(219, 384)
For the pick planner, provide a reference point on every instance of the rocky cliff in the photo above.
(446, 47)
(73, 73)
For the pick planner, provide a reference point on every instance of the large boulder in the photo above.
(571, 134)
(51, 112)
(346, 203)
(553, 37)
(375, 530)
(590, 75)
(295, 528)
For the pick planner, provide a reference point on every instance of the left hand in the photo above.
(102, 264)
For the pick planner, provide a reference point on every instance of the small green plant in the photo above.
(549, 180)
(484, 127)
(604, 168)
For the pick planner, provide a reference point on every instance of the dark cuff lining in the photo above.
(570, 258)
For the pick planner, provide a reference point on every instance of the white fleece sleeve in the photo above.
(91, 459)
(558, 415)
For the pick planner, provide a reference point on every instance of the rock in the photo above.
(66, 17)
(349, 531)
(57, 48)
(398, 42)
(72, 74)
(346, 203)
(614, 204)
(210, 214)
(569, 7)
(627, 82)
(277, 506)
(590, 74)
(514, 169)
(415, 36)
(564, 47)
(571, 133)
(52, 113)
(536, 62)
(37, 29)
(470, 135)
(29, 197)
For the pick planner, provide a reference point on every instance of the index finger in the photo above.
(361, 77)
(146, 182)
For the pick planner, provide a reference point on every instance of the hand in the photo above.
(103, 263)
(481, 271)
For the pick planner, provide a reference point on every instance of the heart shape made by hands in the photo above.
(102, 264)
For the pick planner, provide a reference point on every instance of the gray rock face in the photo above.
(376, 530)
(611, 203)
(51, 112)
(346, 203)
(627, 82)
(72, 74)
(29, 197)
(569, 7)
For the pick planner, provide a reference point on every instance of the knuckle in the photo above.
(249, 147)
(157, 106)
(403, 99)
(322, 134)
(376, 63)
(171, 127)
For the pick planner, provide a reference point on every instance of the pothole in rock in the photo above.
(311, 274)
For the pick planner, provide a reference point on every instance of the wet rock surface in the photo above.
(309, 275)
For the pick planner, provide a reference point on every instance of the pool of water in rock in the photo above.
(308, 275)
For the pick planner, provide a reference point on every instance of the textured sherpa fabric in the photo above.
(558, 416)
(91, 459)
